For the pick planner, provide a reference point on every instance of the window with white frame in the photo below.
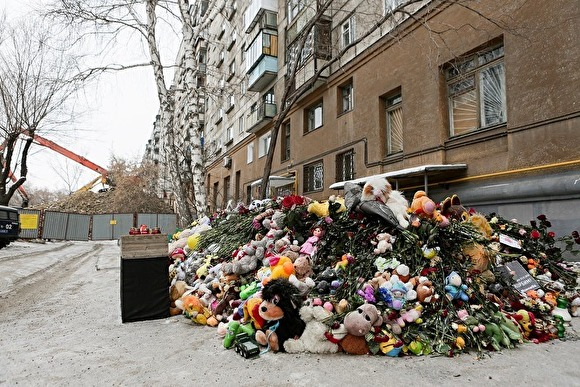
(293, 8)
(250, 153)
(390, 5)
(264, 145)
(229, 134)
(241, 124)
(394, 112)
(313, 176)
(347, 31)
(346, 97)
(314, 117)
(476, 91)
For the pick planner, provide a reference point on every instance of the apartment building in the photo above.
(438, 98)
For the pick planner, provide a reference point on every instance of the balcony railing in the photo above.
(263, 73)
(258, 118)
(255, 9)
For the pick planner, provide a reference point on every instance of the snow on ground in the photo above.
(60, 324)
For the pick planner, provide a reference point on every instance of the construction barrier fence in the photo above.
(54, 225)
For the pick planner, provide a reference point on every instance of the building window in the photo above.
(286, 141)
(314, 176)
(293, 8)
(229, 135)
(346, 98)
(250, 153)
(237, 192)
(345, 166)
(394, 105)
(347, 30)
(227, 187)
(231, 70)
(313, 117)
(231, 103)
(241, 124)
(390, 5)
(215, 194)
(476, 90)
(264, 145)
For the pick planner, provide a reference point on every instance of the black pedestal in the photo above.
(144, 289)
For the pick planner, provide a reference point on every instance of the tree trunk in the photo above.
(195, 157)
(166, 105)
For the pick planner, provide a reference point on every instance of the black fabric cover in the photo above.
(144, 289)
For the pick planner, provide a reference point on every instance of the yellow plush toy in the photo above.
(322, 209)
(280, 267)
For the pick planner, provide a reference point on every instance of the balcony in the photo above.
(255, 9)
(307, 71)
(263, 73)
(261, 116)
(297, 25)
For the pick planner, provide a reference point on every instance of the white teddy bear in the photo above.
(313, 339)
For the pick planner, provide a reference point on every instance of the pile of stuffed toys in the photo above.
(371, 273)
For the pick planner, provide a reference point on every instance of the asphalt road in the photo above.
(60, 324)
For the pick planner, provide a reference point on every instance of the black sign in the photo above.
(523, 281)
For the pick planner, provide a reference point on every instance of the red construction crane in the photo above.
(71, 155)
(105, 178)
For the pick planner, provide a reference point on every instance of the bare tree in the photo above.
(69, 173)
(38, 79)
(109, 20)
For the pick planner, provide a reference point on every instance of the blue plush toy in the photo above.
(454, 288)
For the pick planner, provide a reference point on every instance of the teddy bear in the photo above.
(176, 291)
(425, 290)
(274, 225)
(313, 338)
(284, 247)
(454, 288)
(280, 308)
(451, 208)
(302, 276)
(246, 259)
(383, 243)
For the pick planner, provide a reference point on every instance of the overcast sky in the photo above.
(118, 117)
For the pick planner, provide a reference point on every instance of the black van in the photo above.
(9, 225)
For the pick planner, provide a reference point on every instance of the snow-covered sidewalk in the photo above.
(60, 324)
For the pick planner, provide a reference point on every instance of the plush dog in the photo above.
(379, 189)
(313, 339)
(280, 308)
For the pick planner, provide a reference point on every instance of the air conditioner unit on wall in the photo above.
(227, 161)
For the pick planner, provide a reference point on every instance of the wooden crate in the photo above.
(143, 246)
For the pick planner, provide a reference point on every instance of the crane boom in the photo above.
(71, 155)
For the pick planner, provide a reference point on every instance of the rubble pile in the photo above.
(352, 276)
(111, 201)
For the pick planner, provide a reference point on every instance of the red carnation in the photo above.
(551, 234)
(542, 217)
(535, 234)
